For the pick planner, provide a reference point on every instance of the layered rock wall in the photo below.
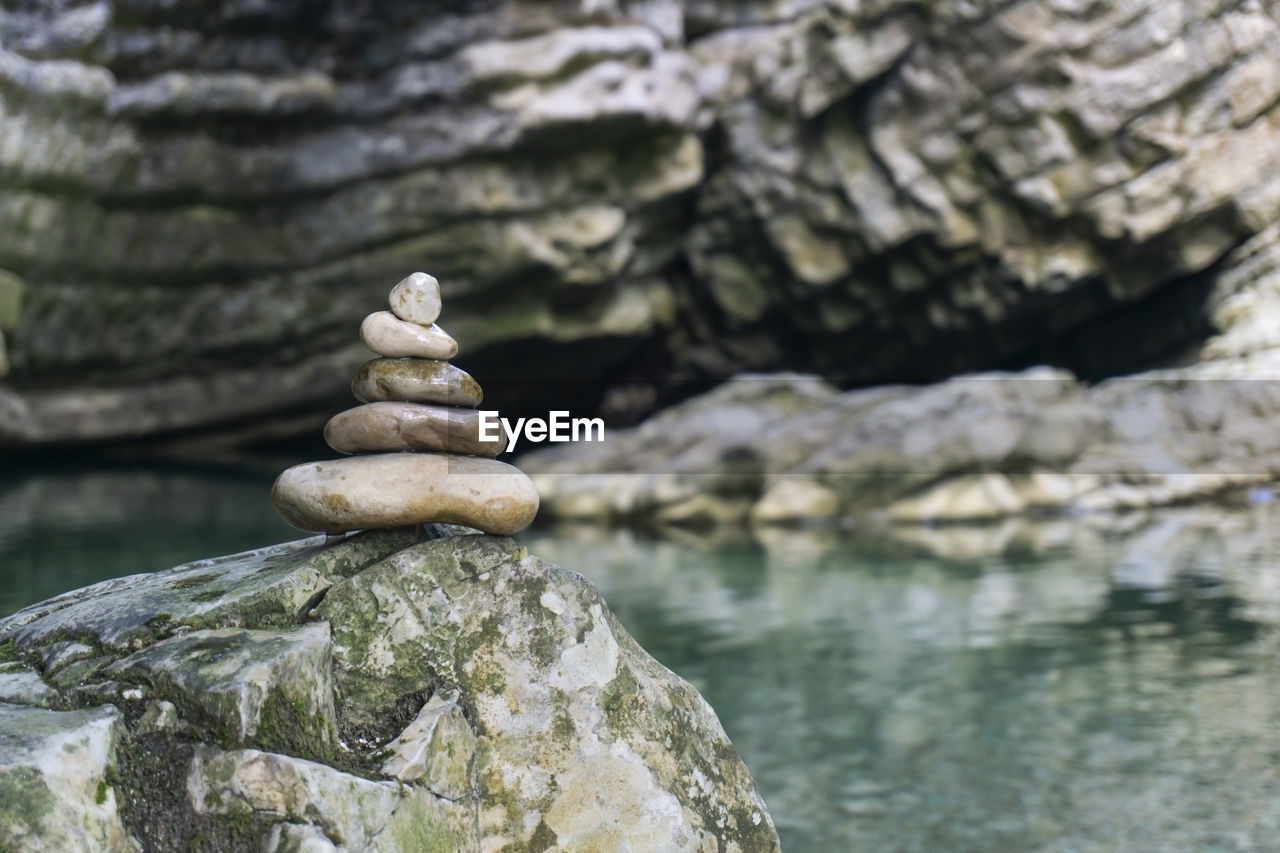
(633, 195)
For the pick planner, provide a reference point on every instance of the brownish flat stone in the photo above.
(415, 380)
(390, 426)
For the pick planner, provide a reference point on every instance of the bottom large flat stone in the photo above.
(394, 489)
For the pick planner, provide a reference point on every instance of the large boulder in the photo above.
(381, 693)
(633, 195)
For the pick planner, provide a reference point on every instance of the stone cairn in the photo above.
(420, 457)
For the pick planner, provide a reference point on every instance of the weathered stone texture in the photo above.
(872, 191)
(56, 769)
(382, 693)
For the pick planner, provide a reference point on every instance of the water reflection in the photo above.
(1064, 687)
(1099, 684)
(67, 528)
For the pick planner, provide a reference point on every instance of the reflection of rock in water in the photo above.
(966, 451)
(71, 527)
(1194, 608)
(1074, 686)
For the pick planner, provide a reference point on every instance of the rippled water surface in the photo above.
(1078, 687)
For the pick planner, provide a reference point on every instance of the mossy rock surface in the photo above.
(57, 770)
(265, 688)
(398, 690)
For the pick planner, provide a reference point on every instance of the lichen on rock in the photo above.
(56, 780)
(387, 692)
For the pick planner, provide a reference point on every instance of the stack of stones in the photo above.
(420, 456)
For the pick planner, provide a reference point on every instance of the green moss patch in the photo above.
(25, 800)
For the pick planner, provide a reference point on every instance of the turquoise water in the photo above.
(1084, 686)
(63, 529)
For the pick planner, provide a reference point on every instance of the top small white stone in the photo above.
(417, 299)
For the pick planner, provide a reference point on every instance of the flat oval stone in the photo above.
(415, 380)
(417, 299)
(389, 336)
(384, 427)
(396, 489)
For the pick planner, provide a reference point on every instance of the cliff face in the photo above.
(201, 200)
